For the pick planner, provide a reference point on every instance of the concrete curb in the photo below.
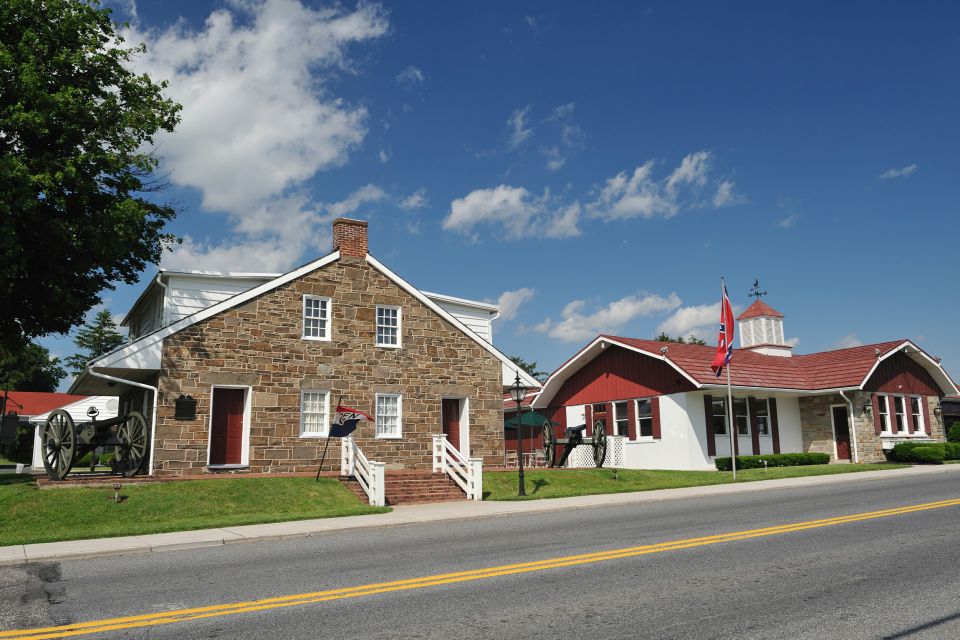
(418, 514)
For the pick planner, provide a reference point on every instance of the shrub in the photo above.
(21, 449)
(931, 454)
(951, 450)
(773, 460)
(953, 433)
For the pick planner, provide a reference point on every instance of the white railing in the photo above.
(370, 475)
(582, 456)
(468, 474)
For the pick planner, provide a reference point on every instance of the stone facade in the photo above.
(817, 431)
(258, 345)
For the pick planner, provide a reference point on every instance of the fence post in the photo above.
(476, 479)
(439, 452)
(346, 456)
(378, 497)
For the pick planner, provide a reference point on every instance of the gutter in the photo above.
(853, 427)
(153, 421)
(163, 301)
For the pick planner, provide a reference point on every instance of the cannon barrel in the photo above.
(572, 431)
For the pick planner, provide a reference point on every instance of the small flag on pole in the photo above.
(725, 339)
(345, 421)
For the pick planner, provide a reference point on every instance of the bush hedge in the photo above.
(953, 433)
(933, 452)
(773, 460)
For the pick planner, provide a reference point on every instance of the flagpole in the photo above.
(732, 425)
(327, 444)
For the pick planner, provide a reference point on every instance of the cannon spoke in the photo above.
(135, 438)
(59, 440)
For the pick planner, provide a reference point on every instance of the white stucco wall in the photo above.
(682, 443)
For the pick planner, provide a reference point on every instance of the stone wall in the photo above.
(258, 345)
(815, 425)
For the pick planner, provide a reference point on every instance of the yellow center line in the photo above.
(198, 613)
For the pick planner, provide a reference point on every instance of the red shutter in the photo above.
(892, 412)
(774, 427)
(754, 432)
(655, 414)
(708, 418)
(611, 416)
(908, 408)
(632, 419)
(877, 421)
(925, 408)
(588, 420)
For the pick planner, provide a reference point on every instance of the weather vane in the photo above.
(756, 292)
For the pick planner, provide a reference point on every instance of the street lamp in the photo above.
(517, 392)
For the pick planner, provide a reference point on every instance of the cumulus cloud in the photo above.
(641, 195)
(352, 203)
(411, 77)
(416, 200)
(902, 172)
(697, 320)
(519, 130)
(258, 117)
(511, 301)
(847, 341)
(575, 325)
(519, 213)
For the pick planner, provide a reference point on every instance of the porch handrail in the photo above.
(369, 475)
(466, 473)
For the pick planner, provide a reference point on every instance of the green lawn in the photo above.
(560, 483)
(31, 515)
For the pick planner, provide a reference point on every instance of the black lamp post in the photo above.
(518, 392)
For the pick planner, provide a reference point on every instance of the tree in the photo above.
(95, 338)
(530, 367)
(76, 193)
(29, 367)
(665, 337)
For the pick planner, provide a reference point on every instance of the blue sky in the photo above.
(595, 167)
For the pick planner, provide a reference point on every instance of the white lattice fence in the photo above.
(582, 456)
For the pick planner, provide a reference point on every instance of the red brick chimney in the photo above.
(350, 237)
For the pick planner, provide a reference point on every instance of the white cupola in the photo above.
(761, 330)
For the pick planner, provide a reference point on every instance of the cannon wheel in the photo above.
(599, 443)
(59, 440)
(133, 453)
(549, 444)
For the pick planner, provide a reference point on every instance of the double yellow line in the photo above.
(199, 613)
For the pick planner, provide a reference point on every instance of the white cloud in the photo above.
(511, 301)
(576, 326)
(349, 205)
(792, 342)
(519, 131)
(555, 159)
(847, 341)
(411, 77)
(640, 195)
(519, 212)
(789, 221)
(383, 156)
(701, 321)
(902, 172)
(258, 118)
(268, 256)
(416, 200)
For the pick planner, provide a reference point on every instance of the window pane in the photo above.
(741, 416)
(313, 411)
(719, 417)
(644, 419)
(388, 326)
(388, 416)
(622, 422)
(763, 418)
(315, 316)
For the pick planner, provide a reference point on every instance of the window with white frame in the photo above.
(900, 413)
(620, 419)
(388, 416)
(316, 318)
(917, 415)
(741, 416)
(644, 419)
(884, 411)
(314, 413)
(719, 417)
(388, 326)
(763, 416)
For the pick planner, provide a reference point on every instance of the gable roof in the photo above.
(32, 403)
(145, 350)
(816, 372)
(757, 309)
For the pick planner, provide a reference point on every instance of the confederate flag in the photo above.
(725, 339)
(345, 421)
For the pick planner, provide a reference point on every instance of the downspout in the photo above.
(153, 422)
(853, 427)
(163, 306)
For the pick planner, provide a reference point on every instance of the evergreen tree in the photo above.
(665, 337)
(530, 367)
(95, 338)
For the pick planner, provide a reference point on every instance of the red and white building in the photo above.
(854, 404)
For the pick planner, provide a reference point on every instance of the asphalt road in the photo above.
(893, 576)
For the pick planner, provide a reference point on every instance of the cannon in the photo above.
(64, 442)
(574, 438)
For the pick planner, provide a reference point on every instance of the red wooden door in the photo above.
(842, 431)
(226, 429)
(451, 421)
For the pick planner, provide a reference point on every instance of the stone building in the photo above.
(259, 363)
(671, 410)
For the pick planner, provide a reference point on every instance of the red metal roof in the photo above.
(759, 308)
(33, 403)
(825, 370)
